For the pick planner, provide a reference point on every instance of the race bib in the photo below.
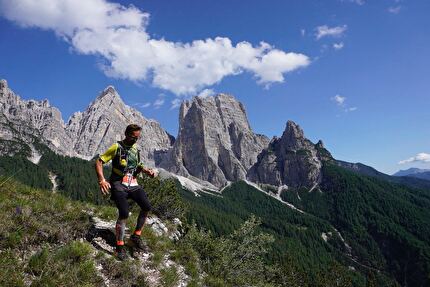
(129, 180)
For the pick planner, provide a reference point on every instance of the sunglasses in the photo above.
(133, 137)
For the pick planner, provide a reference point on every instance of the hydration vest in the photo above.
(127, 159)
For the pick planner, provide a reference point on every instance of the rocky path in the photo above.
(102, 236)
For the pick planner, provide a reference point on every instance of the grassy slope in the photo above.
(42, 243)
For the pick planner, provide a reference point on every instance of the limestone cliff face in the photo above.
(21, 119)
(215, 142)
(86, 134)
(291, 160)
(104, 122)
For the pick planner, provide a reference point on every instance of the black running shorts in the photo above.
(120, 194)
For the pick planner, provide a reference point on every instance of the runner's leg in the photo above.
(139, 196)
(120, 198)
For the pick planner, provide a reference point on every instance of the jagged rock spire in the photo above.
(291, 160)
(215, 141)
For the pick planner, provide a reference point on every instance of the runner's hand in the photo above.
(104, 187)
(150, 172)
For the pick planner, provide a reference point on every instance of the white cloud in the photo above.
(340, 102)
(159, 101)
(118, 34)
(303, 32)
(325, 31)
(338, 99)
(175, 103)
(142, 105)
(338, 46)
(394, 10)
(206, 93)
(421, 157)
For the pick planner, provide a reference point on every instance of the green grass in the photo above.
(124, 273)
(30, 216)
(169, 276)
(11, 273)
(51, 227)
(69, 265)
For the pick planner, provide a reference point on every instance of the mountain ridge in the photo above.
(86, 133)
(215, 142)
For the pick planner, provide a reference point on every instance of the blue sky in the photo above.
(353, 73)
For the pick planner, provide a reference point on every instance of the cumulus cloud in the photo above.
(338, 46)
(118, 34)
(326, 31)
(395, 10)
(421, 157)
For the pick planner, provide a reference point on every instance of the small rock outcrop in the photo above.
(291, 160)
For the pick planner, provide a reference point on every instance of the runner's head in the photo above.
(132, 134)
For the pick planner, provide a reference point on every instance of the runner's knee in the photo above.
(123, 213)
(142, 200)
(147, 208)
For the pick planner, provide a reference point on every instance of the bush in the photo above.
(164, 197)
(233, 260)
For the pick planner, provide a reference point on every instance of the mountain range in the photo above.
(215, 145)
(318, 208)
(414, 172)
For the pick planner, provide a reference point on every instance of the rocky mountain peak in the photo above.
(320, 144)
(293, 136)
(28, 119)
(103, 123)
(3, 84)
(108, 93)
(215, 141)
(293, 130)
(87, 133)
(110, 89)
(108, 96)
(290, 160)
(227, 106)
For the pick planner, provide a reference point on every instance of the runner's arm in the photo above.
(107, 156)
(104, 185)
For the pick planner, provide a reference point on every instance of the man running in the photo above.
(126, 166)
